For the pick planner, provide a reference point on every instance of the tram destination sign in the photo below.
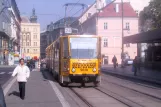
(68, 30)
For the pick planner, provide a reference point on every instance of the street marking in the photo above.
(9, 86)
(1, 73)
(59, 95)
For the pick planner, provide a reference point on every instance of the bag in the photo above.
(117, 64)
(133, 69)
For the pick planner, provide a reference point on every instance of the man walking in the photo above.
(114, 60)
(23, 74)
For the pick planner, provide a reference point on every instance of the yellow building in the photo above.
(30, 37)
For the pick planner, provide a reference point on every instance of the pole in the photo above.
(122, 26)
(65, 15)
(122, 54)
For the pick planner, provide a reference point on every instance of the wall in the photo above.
(32, 30)
(113, 34)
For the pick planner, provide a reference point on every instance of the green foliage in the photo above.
(153, 13)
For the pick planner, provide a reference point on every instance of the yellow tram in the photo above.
(75, 58)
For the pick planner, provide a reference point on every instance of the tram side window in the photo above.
(57, 50)
(65, 47)
(55, 53)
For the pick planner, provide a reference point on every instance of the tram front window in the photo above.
(83, 48)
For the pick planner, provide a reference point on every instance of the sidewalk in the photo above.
(144, 74)
(7, 66)
(39, 93)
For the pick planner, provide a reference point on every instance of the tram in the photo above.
(75, 59)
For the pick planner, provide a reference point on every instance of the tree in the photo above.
(152, 15)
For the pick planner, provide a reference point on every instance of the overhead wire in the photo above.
(74, 6)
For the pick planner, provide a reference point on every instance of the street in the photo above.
(5, 74)
(43, 91)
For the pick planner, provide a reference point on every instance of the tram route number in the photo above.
(84, 69)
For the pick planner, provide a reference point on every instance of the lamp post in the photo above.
(122, 53)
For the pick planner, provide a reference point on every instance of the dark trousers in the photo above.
(22, 89)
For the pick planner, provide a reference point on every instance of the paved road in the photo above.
(5, 74)
(43, 91)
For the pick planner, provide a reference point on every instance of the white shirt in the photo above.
(22, 73)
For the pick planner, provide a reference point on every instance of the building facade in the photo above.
(30, 37)
(43, 44)
(109, 22)
(9, 30)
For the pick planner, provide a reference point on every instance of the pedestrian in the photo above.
(23, 73)
(138, 63)
(114, 61)
(135, 64)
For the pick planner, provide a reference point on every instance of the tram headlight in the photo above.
(94, 69)
(73, 70)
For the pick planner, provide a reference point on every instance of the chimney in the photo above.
(117, 8)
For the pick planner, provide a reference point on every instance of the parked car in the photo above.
(128, 61)
(2, 99)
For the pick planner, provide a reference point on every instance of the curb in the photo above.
(131, 77)
(7, 66)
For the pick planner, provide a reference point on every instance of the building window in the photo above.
(35, 43)
(35, 30)
(28, 37)
(28, 44)
(24, 29)
(28, 51)
(89, 15)
(128, 45)
(27, 29)
(24, 44)
(105, 26)
(35, 50)
(24, 36)
(137, 12)
(95, 6)
(127, 26)
(24, 51)
(105, 42)
(35, 36)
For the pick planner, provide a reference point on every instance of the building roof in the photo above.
(86, 10)
(153, 36)
(25, 19)
(110, 10)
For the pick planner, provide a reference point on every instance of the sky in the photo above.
(49, 10)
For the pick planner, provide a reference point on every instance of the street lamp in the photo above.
(122, 54)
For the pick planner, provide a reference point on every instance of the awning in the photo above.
(153, 36)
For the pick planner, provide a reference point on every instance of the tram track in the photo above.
(122, 100)
(135, 90)
(116, 96)
(119, 98)
(83, 99)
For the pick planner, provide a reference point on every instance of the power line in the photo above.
(76, 12)
(74, 6)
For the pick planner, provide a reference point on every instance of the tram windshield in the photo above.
(83, 48)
